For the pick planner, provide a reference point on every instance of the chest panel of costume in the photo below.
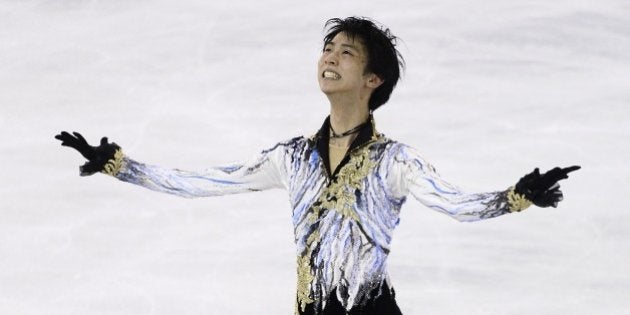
(343, 225)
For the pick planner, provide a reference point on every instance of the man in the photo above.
(346, 183)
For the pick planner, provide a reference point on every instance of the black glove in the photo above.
(543, 190)
(97, 157)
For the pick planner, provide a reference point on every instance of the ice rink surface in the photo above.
(492, 90)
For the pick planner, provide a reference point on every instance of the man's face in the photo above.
(341, 67)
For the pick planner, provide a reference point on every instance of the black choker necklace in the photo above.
(347, 133)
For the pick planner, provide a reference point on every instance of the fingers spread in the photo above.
(562, 173)
(79, 137)
(65, 138)
(570, 169)
(62, 136)
(555, 175)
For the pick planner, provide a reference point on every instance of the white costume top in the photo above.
(343, 222)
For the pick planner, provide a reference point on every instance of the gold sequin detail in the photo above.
(113, 165)
(338, 196)
(516, 201)
(305, 275)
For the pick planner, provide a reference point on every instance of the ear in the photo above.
(374, 81)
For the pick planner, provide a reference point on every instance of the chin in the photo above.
(324, 88)
(328, 87)
(327, 90)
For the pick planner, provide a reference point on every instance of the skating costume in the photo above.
(344, 218)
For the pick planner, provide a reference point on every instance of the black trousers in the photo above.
(385, 304)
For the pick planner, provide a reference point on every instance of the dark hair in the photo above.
(384, 59)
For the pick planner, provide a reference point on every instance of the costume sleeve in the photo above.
(417, 177)
(263, 171)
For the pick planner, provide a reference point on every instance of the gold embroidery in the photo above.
(305, 278)
(516, 201)
(338, 196)
(305, 275)
(113, 165)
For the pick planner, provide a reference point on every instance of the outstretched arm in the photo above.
(422, 181)
(264, 171)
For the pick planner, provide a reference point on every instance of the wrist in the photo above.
(517, 202)
(113, 166)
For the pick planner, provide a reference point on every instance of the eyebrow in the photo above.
(342, 45)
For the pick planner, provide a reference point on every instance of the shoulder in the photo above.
(404, 155)
(391, 148)
(288, 145)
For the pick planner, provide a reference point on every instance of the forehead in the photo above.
(343, 39)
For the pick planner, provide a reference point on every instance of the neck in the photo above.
(345, 116)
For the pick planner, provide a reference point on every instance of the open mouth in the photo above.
(331, 75)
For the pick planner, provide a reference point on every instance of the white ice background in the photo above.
(492, 89)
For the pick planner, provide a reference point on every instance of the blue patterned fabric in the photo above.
(343, 223)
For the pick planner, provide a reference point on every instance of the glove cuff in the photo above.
(517, 202)
(112, 166)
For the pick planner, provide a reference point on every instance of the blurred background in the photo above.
(492, 89)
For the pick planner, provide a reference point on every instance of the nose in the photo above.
(330, 59)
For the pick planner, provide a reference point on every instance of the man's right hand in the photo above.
(97, 156)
